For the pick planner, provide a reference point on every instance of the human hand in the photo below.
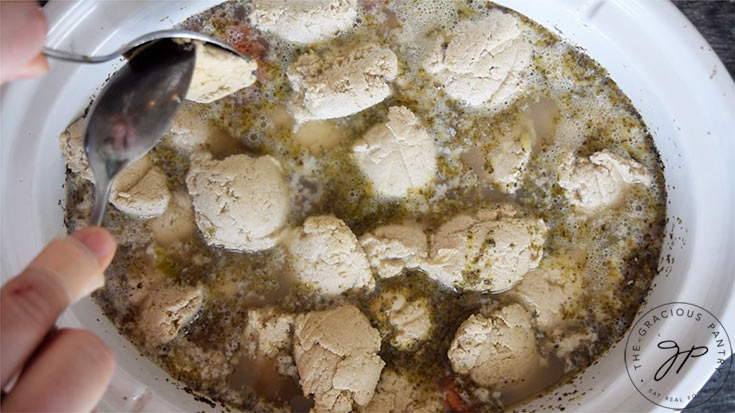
(22, 34)
(59, 370)
(44, 369)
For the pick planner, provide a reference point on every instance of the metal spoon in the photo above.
(134, 110)
(138, 103)
(161, 34)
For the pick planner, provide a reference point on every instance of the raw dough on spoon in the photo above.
(218, 73)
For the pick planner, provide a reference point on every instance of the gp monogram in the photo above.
(667, 341)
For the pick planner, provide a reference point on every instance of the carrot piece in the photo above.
(250, 44)
(452, 397)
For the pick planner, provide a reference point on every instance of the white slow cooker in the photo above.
(656, 56)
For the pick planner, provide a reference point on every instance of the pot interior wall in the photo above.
(684, 118)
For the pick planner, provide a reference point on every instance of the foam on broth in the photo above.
(570, 102)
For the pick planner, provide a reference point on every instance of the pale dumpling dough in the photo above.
(391, 248)
(490, 250)
(600, 180)
(509, 158)
(397, 394)
(268, 332)
(188, 130)
(240, 202)
(304, 22)
(141, 189)
(176, 223)
(409, 320)
(482, 60)
(166, 309)
(191, 131)
(397, 155)
(340, 82)
(325, 254)
(218, 73)
(269, 335)
(497, 351)
(336, 356)
(71, 142)
(552, 291)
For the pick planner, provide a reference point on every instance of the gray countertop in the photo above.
(715, 19)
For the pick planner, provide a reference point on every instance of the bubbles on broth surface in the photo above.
(568, 99)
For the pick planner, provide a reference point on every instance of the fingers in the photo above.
(35, 67)
(65, 271)
(22, 35)
(69, 374)
(99, 242)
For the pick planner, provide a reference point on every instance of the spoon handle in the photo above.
(162, 34)
(102, 193)
(78, 58)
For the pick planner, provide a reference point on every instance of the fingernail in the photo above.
(99, 242)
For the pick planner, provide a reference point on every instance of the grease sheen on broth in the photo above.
(569, 100)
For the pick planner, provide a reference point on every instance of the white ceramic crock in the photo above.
(659, 60)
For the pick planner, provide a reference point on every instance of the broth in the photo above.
(569, 102)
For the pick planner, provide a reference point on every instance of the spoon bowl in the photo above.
(134, 109)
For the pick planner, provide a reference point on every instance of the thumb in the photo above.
(65, 271)
(22, 35)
